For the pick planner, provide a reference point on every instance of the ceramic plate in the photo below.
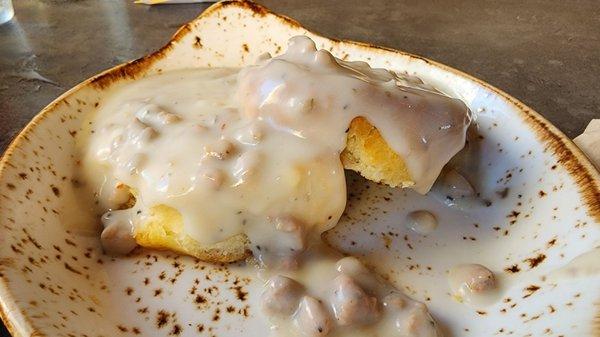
(538, 208)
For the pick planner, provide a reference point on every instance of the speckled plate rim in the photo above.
(583, 172)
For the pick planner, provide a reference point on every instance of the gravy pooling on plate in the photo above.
(257, 151)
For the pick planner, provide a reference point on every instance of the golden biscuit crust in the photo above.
(164, 230)
(367, 153)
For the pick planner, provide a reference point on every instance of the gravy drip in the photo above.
(257, 151)
(584, 265)
(333, 295)
(473, 284)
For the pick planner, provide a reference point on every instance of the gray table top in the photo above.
(545, 53)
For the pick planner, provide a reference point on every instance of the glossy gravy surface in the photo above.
(257, 151)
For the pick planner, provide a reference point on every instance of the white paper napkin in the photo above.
(589, 142)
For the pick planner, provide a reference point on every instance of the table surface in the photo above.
(545, 53)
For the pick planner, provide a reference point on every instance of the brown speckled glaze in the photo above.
(538, 207)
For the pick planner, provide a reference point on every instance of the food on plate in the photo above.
(367, 153)
(337, 295)
(473, 284)
(421, 222)
(163, 229)
(223, 164)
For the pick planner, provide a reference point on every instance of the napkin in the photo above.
(589, 142)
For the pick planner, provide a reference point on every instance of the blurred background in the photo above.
(545, 53)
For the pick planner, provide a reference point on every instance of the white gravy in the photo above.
(351, 301)
(473, 284)
(584, 265)
(421, 222)
(256, 151)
